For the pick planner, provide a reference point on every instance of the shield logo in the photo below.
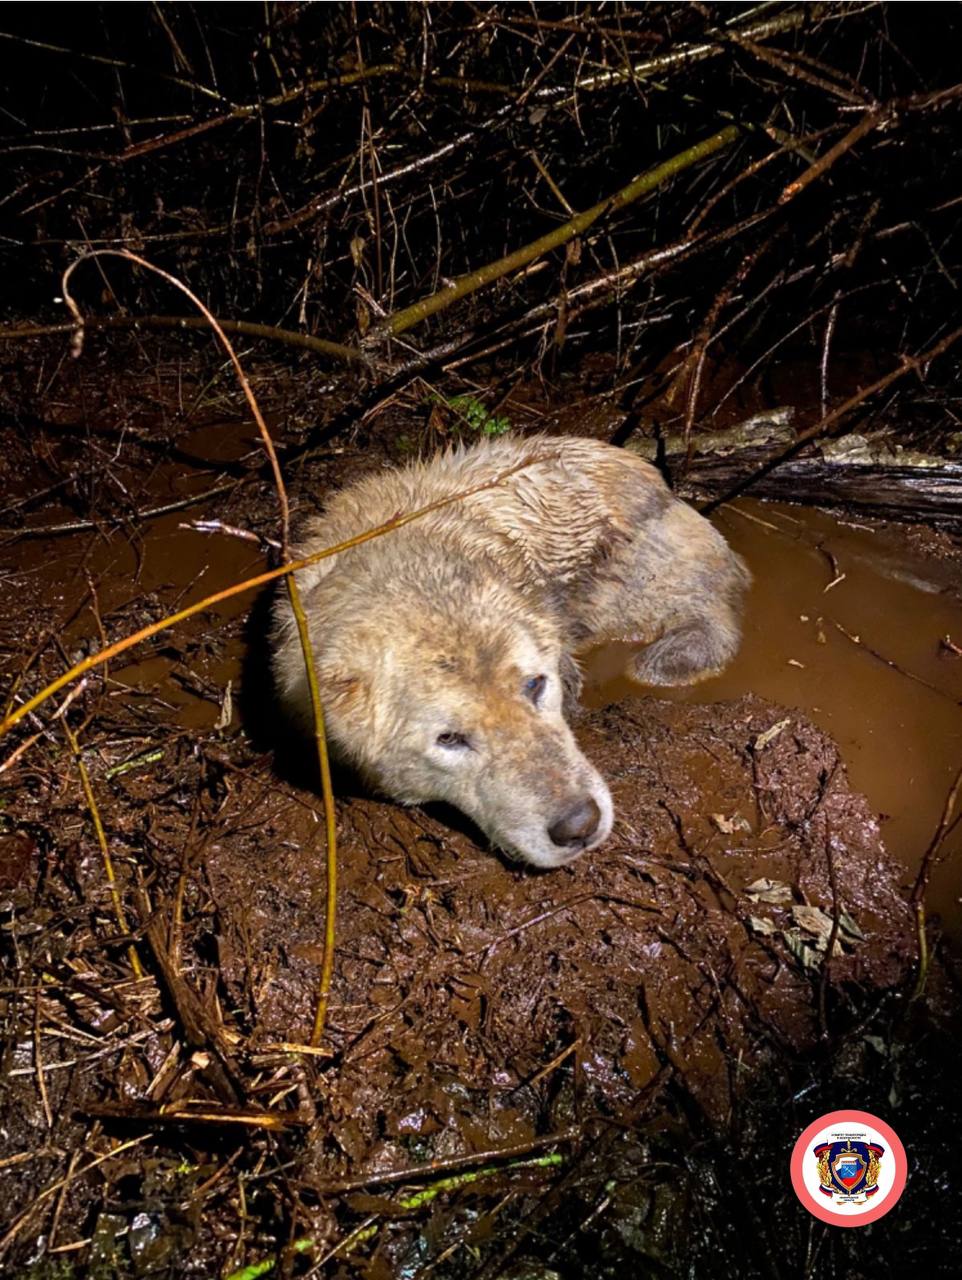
(848, 1168)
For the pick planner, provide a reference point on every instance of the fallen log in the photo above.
(868, 473)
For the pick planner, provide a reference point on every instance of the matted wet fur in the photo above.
(444, 649)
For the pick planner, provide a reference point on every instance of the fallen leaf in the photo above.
(808, 956)
(814, 921)
(770, 735)
(761, 925)
(850, 927)
(727, 826)
(765, 890)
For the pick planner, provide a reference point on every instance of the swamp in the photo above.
(255, 1025)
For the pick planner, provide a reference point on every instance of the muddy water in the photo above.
(847, 624)
(844, 622)
(123, 578)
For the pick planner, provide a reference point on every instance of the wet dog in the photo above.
(444, 649)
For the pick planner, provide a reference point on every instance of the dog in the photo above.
(445, 649)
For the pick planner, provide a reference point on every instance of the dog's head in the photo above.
(455, 694)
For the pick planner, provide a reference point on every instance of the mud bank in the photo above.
(641, 1023)
(477, 1007)
(695, 940)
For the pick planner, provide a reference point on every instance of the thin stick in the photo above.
(247, 328)
(238, 588)
(873, 119)
(935, 844)
(407, 317)
(104, 850)
(18, 751)
(452, 1162)
(327, 791)
(148, 513)
(320, 733)
(212, 321)
(38, 1062)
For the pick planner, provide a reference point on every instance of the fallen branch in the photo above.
(149, 513)
(909, 364)
(470, 283)
(445, 1166)
(689, 55)
(246, 328)
(188, 1112)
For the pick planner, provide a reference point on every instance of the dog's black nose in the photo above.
(578, 826)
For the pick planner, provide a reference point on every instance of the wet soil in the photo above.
(857, 625)
(639, 1030)
(458, 970)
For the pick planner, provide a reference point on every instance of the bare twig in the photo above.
(930, 857)
(464, 285)
(95, 660)
(246, 328)
(102, 843)
(320, 734)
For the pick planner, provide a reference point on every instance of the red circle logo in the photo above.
(849, 1168)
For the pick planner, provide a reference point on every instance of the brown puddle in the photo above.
(141, 572)
(807, 644)
(477, 1006)
(901, 738)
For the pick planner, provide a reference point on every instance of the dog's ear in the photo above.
(360, 726)
(344, 692)
(351, 711)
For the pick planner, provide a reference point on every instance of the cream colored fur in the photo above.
(429, 642)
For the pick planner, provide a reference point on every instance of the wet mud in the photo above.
(634, 1021)
(856, 625)
(696, 938)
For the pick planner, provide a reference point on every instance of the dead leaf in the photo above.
(765, 890)
(727, 826)
(814, 921)
(800, 948)
(770, 735)
(762, 925)
(850, 927)
(226, 708)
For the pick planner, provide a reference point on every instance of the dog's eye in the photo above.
(451, 740)
(535, 687)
